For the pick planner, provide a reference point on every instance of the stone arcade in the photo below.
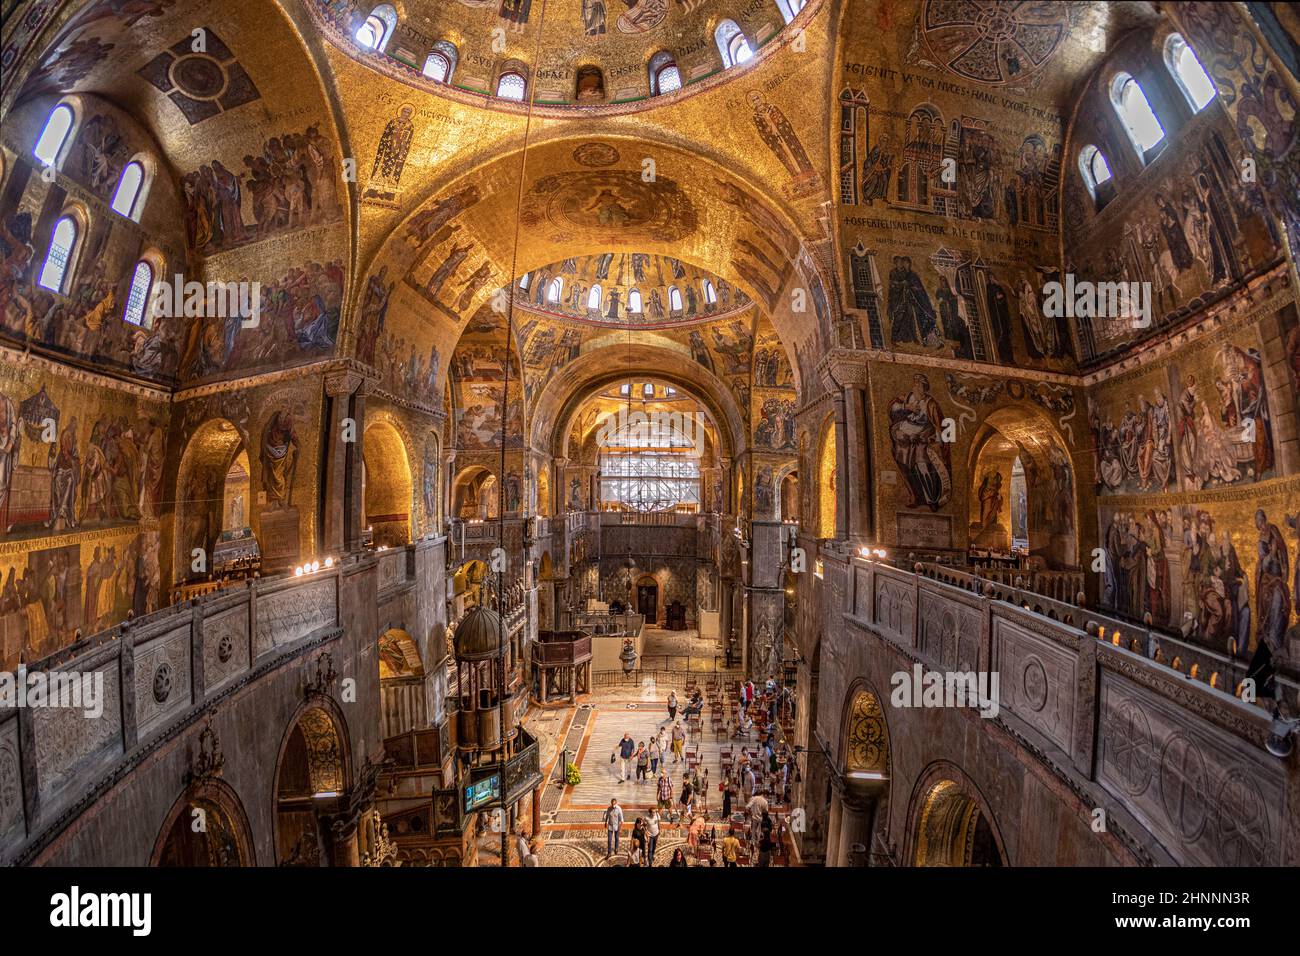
(547, 359)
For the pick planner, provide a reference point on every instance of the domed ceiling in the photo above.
(486, 37)
(621, 289)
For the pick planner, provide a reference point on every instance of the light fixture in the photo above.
(1279, 742)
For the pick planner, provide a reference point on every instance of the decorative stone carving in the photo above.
(1038, 680)
(1209, 797)
(11, 791)
(225, 646)
(291, 614)
(68, 741)
(208, 760)
(162, 678)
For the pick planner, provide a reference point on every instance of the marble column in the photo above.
(854, 830)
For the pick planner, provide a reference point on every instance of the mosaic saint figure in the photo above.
(915, 433)
(910, 312)
(1272, 598)
(65, 469)
(279, 458)
(390, 157)
(778, 134)
(593, 17)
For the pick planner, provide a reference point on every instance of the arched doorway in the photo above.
(311, 783)
(646, 595)
(206, 826)
(949, 823)
(214, 535)
(386, 486)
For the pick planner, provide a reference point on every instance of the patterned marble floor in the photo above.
(571, 817)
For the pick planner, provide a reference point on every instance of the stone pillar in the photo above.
(449, 475)
(854, 828)
(833, 825)
(536, 833)
(843, 481)
(347, 849)
(845, 376)
(340, 384)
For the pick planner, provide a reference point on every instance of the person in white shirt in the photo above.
(652, 835)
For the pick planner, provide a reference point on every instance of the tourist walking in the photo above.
(626, 748)
(656, 751)
(665, 791)
(638, 843)
(672, 706)
(613, 823)
(652, 836)
(730, 848)
(679, 741)
(765, 843)
(642, 762)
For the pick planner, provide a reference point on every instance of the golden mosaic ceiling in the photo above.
(635, 289)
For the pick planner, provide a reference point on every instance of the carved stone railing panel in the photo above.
(392, 569)
(225, 646)
(68, 741)
(12, 815)
(895, 605)
(162, 682)
(1038, 679)
(949, 631)
(291, 613)
(1210, 799)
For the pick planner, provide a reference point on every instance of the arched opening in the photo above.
(1022, 493)
(375, 31)
(951, 829)
(387, 486)
(590, 85)
(311, 783)
(788, 499)
(214, 534)
(1188, 74)
(474, 494)
(664, 75)
(441, 62)
(467, 586)
(60, 258)
(402, 699)
(128, 199)
(827, 489)
(1135, 113)
(206, 826)
(512, 86)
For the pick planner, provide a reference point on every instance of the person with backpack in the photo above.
(613, 823)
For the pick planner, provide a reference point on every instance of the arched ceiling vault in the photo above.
(584, 196)
(565, 394)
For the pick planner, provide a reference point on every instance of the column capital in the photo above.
(348, 379)
(844, 368)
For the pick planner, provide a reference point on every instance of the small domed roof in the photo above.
(478, 635)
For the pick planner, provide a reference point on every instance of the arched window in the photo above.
(511, 86)
(55, 135)
(732, 43)
(137, 297)
(523, 280)
(441, 61)
(710, 296)
(634, 301)
(1188, 73)
(1135, 111)
(1093, 168)
(62, 244)
(379, 26)
(675, 299)
(593, 298)
(648, 390)
(790, 8)
(128, 200)
(554, 289)
(664, 75)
